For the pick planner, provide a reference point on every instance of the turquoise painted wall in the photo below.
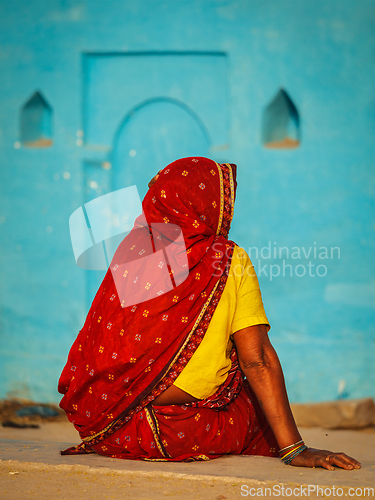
(128, 86)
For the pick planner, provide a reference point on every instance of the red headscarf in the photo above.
(126, 355)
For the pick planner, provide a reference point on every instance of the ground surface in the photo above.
(32, 468)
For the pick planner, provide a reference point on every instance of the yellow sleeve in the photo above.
(249, 305)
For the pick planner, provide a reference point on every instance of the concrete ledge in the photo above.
(229, 469)
(341, 414)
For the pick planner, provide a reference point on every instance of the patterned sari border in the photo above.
(231, 183)
(199, 318)
(153, 423)
(97, 434)
(221, 199)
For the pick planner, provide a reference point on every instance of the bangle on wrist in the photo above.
(289, 447)
(291, 452)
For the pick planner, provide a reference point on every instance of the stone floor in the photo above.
(32, 468)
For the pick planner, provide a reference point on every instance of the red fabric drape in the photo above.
(193, 432)
(126, 355)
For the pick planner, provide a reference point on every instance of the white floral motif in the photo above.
(114, 355)
(141, 252)
(161, 264)
(115, 267)
(109, 326)
(202, 186)
(133, 308)
(194, 160)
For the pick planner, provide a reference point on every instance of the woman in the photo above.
(157, 371)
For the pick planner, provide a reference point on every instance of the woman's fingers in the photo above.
(326, 464)
(343, 460)
(326, 459)
(335, 459)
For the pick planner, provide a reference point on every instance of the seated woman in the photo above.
(161, 375)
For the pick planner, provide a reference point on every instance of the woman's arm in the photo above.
(261, 366)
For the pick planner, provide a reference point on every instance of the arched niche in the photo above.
(36, 122)
(152, 135)
(281, 123)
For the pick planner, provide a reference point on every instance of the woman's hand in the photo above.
(326, 459)
(261, 366)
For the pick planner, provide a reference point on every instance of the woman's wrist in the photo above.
(284, 450)
(289, 453)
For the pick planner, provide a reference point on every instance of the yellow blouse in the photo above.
(240, 306)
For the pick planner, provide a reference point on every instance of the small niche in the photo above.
(281, 123)
(36, 122)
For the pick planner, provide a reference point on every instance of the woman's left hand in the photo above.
(326, 459)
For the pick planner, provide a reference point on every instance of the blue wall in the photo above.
(109, 72)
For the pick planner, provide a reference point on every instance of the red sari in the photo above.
(148, 317)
